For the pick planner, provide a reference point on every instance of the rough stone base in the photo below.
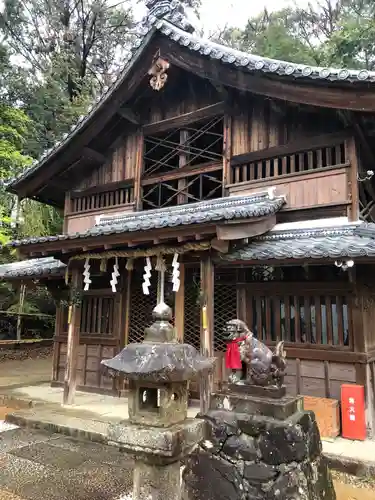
(251, 457)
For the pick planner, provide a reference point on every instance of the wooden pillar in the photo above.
(74, 323)
(128, 293)
(352, 158)
(182, 162)
(56, 345)
(22, 293)
(179, 312)
(138, 171)
(227, 151)
(124, 313)
(363, 318)
(207, 328)
(67, 210)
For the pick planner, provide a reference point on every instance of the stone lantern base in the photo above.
(157, 452)
(258, 449)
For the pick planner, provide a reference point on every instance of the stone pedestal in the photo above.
(258, 449)
(157, 453)
(157, 482)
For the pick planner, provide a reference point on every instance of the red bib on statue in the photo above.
(232, 356)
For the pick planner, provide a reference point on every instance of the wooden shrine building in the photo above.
(252, 174)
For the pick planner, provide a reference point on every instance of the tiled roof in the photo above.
(241, 60)
(352, 241)
(32, 268)
(218, 210)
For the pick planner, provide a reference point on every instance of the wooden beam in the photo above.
(207, 329)
(129, 115)
(305, 144)
(93, 156)
(221, 90)
(185, 119)
(74, 321)
(323, 94)
(131, 239)
(179, 305)
(184, 172)
(110, 186)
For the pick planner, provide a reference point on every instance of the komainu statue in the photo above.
(250, 361)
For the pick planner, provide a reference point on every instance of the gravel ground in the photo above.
(356, 482)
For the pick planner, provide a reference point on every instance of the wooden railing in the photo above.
(319, 320)
(99, 197)
(97, 315)
(309, 155)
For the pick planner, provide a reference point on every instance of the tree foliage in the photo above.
(325, 33)
(78, 42)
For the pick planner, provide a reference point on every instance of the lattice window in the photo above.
(225, 309)
(97, 315)
(313, 319)
(225, 306)
(199, 187)
(141, 305)
(189, 160)
(192, 309)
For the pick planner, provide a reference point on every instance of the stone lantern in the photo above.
(158, 433)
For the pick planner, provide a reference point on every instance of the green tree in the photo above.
(67, 53)
(326, 33)
(79, 43)
(14, 128)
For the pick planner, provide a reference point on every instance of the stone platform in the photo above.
(88, 419)
(248, 454)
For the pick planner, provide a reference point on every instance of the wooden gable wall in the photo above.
(260, 123)
(120, 164)
(256, 123)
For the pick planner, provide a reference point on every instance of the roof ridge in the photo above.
(242, 60)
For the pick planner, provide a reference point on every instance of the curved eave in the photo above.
(32, 269)
(234, 60)
(193, 215)
(352, 242)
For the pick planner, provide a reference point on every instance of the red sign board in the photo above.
(353, 420)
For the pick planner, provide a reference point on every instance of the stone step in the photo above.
(76, 424)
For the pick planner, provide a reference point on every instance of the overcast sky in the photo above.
(216, 13)
(219, 13)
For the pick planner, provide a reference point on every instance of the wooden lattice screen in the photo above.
(141, 305)
(225, 306)
(312, 318)
(97, 315)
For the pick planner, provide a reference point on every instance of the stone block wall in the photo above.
(251, 457)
